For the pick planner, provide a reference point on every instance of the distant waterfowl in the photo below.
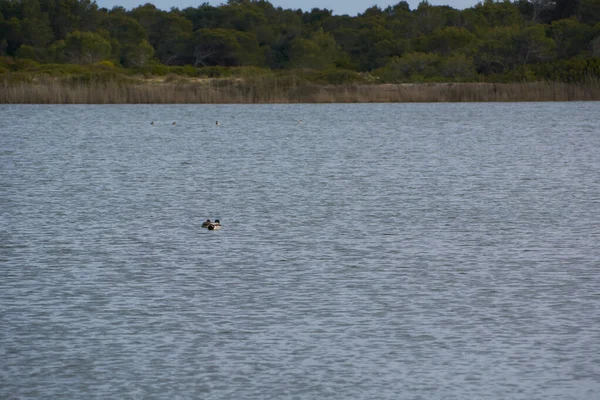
(217, 123)
(174, 123)
(152, 123)
(214, 227)
(299, 121)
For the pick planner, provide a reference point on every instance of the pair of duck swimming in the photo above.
(216, 123)
(212, 225)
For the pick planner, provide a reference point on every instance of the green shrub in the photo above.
(155, 68)
(6, 62)
(63, 69)
(577, 69)
(105, 64)
(411, 67)
(25, 64)
(25, 51)
(189, 70)
(183, 70)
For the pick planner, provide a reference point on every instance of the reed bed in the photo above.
(219, 91)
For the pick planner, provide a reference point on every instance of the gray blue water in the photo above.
(373, 251)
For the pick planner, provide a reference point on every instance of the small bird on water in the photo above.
(174, 123)
(214, 226)
(217, 123)
(211, 226)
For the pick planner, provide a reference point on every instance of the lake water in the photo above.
(373, 251)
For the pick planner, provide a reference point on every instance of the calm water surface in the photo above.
(397, 251)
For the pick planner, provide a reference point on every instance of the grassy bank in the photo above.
(278, 90)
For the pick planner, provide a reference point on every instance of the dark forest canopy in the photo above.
(547, 39)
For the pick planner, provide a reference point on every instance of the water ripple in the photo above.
(418, 251)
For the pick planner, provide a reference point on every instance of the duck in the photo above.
(211, 226)
(174, 123)
(217, 123)
(214, 227)
(152, 123)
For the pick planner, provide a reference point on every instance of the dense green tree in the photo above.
(401, 22)
(67, 16)
(3, 47)
(147, 15)
(490, 14)
(497, 51)
(205, 16)
(588, 11)
(226, 47)
(571, 36)
(375, 45)
(276, 37)
(450, 40)
(504, 48)
(26, 51)
(12, 33)
(320, 51)
(244, 16)
(138, 55)
(537, 11)
(84, 48)
(314, 19)
(501, 38)
(3, 41)
(595, 47)
(123, 28)
(36, 33)
(546, 11)
(116, 10)
(458, 67)
(125, 36)
(411, 66)
(428, 18)
(533, 45)
(399, 8)
(168, 32)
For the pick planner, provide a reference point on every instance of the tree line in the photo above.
(494, 40)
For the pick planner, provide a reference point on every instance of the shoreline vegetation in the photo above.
(107, 85)
(225, 91)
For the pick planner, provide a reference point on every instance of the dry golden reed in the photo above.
(220, 91)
